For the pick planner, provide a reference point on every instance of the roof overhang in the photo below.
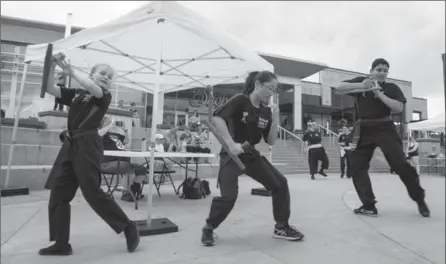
(291, 67)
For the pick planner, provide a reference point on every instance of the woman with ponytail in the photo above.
(242, 122)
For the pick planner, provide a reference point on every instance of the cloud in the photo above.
(346, 35)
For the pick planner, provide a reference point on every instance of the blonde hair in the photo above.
(96, 66)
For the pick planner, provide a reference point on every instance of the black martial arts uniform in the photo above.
(316, 153)
(375, 128)
(247, 123)
(57, 166)
(81, 168)
(346, 158)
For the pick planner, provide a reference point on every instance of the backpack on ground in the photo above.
(207, 190)
(193, 188)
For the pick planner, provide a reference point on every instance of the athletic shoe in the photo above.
(57, 249)
(423, 209)
(369, 211)
(288, 233)
(208, 237)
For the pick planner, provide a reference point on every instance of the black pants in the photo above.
(57, 104)
(81, 169)
(346, 160)
(56, 170)
(385, 136)
(314, 156)
(261, 170)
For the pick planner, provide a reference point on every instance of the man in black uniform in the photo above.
(376, 99)
(81, 168)
(60, 83)
(245, 120)
(316, 152)
(345, 138)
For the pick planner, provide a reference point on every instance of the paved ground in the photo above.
(321, 209)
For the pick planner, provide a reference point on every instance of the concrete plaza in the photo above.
(321, 209)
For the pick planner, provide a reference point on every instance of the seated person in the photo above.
(114, 138)
(194, 121)
(171, 140)
(202, 143)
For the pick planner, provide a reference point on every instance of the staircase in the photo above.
(288, 156)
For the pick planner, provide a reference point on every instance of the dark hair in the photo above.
(380, 61)
(262, 77)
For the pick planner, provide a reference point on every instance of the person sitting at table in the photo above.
(194, 121)
(202, 142)
(115, 137)
(171, 140)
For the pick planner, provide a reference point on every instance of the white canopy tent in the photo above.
(161, 47)
(436, 124)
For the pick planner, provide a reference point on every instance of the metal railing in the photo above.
(283, 133)
(333, 137)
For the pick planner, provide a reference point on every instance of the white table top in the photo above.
(144, 154)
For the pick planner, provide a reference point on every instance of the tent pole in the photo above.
(16, 124)
(154, 121)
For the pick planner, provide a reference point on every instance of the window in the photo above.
(416, 116)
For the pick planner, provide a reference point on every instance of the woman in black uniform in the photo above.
(81, 168)
(316, 152)
(376, 99)
(245, 120)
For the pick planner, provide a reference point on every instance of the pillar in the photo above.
(297, 106)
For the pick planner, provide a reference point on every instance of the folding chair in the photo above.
(161, 177)
(111, 174)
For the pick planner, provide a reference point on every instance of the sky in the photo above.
(341, 34)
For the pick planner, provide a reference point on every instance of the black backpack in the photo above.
(193, 188)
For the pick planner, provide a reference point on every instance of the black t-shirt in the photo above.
(346, 138)
(245, 122)
(114, 142)
(81, 103)
(370, 107)
(312, 138)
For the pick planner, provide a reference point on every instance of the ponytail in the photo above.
(250, 82)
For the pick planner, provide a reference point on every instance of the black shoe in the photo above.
(312, 176)
(321, 172)
(288, 233)
(132, 236)
(423, 209)
(208, 237)
(57, 249)
(369, 211)
(127, 197)
(342, 175)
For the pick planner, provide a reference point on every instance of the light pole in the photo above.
(444, 78)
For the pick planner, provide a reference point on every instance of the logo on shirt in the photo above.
(75, 97)
(245, 115)
(118, 142)
(87, 98)
(262, 123)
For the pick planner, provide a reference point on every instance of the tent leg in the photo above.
(158, 225)
(9, 191)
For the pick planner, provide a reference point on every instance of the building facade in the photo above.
(298, 99)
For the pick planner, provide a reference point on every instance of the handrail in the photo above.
(328, 130)
(302, 145)
(289, 132)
